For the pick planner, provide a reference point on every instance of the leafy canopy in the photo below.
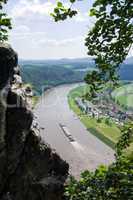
(5, 22)
(110, 39)
(61, 13)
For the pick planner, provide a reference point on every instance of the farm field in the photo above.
(124, 96)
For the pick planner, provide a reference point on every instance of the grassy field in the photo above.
(79, 91)
(124, 95)
(109, 134)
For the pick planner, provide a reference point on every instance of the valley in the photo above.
(64, 131)
(44, 74)
(63, 125)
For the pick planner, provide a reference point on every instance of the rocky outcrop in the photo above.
(29, 169)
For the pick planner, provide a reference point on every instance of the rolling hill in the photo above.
(48, 73)
(43, 74)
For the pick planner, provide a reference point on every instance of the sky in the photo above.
(35, 35)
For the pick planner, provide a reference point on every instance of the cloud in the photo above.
(36, 35)
(24, 32)
(48, 48)
(30, 8)
(25, 8)
(56, 43)
(19, 30)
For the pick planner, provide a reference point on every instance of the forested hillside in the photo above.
(44, 74)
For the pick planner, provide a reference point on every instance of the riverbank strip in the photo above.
(109, 134)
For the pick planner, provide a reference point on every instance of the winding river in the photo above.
(63, 130)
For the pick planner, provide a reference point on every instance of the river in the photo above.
(81, 149)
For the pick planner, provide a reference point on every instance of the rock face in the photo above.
(29, 169)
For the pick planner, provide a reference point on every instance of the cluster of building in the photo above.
(103, 110)
(88, 108)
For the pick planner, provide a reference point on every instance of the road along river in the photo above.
(67, 135)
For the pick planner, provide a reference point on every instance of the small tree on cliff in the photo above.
(5, 22)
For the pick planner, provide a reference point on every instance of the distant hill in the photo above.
(46, 73)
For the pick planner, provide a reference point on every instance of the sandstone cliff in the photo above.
(29, 169)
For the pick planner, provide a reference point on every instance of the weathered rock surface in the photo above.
(8, 62)
(29, 169)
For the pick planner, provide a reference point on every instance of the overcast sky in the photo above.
(35, 35)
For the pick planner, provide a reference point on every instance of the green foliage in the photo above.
(111, 37)
(90, 186)
(99, 120)
(61, 12)
(94, 85)
(107, 121)
(2, 2)
(126, 138)
(5, 23)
